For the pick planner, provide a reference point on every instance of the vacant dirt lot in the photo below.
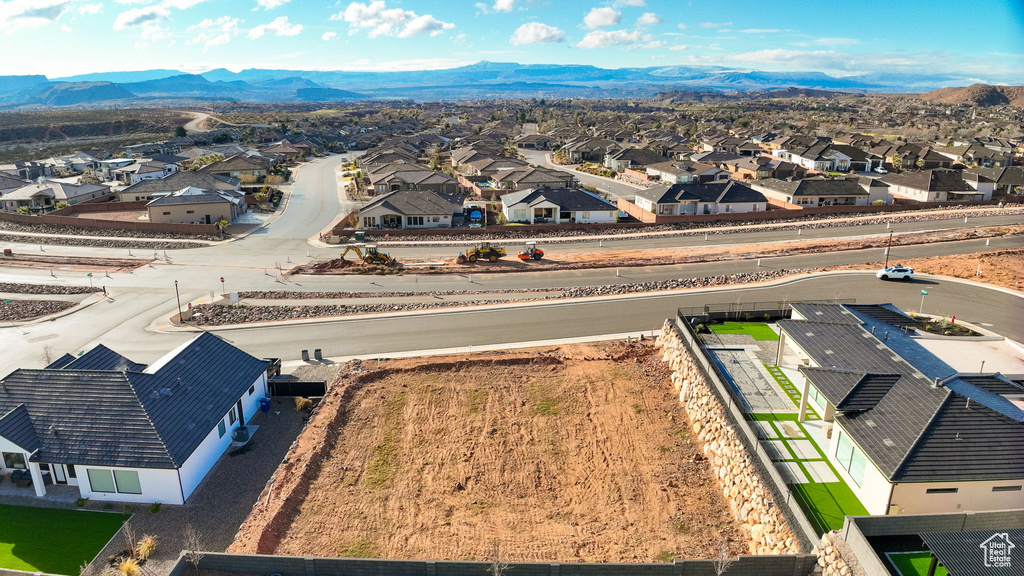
(572, 454)
(1001, 267)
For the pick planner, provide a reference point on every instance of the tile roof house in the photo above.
(386, 178)
(557, 206)
(126, 432)
(814, 191)
(150, 189)
(530, 177)
(196, 206)
(239, 165)
(937, 185)
(620, 160)
(910, 434)
(44, 196)
(412, 209)
(693, 198)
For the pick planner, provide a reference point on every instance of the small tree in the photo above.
(723, 561)
(60, 205)
(498, 566)
(180, 132)
(193, 544)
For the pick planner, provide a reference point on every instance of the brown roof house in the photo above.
(196, 206)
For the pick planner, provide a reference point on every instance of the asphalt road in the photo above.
(612, 187)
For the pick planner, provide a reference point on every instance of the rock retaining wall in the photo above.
(750, 500)
(835, 557)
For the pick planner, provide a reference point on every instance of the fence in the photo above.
(57, 220)
(762, 462)
(748, 310)
(787, 565)
(282, 387)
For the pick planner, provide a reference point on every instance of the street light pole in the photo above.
(178, 297)
(887, 249)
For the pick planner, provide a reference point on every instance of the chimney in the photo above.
(937, 383)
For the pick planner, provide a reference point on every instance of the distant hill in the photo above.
(10, 84)
(72, 93)
(325, 94)
(978, 95)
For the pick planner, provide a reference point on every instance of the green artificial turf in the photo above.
(759, 330)
(828, 503)
(53, 540)
(914, 563)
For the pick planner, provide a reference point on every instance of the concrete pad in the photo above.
(790, 429)
(776, 450)
(820, 471)
(791, 473)
(764, 429)
(804, 449)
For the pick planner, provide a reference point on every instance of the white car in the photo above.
(896, 272)
(881, 170)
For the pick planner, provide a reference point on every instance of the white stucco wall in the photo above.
(213, 446)
(8, 446)
(874, 488)
(913, 498)
(158, 485)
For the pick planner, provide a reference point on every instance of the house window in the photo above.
(190, 211)
(127, 482)
(252, 389)
(221, 429)
(369, 221)
(586, 215)
(1006, 488)
(167, 213)
(232, 416)
(72, 473)
(414, 220)
(519, 214)
(14, 460)
(436, 219)
(850, 458)
(941, 491)
(101, 481)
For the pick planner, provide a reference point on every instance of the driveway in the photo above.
(225, 497)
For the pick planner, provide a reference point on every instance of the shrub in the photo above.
(154, 507)
(80, 502)
(23, 210)
(61, 204)
(274, 179)
(146, 547)
(129, 567)
(303, 404)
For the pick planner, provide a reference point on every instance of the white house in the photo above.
(710, 198)
(557, 206)
(939, 185)
(821, 157)
(123, 431)
(909, 433)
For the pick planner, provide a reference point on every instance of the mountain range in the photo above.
(476, 81)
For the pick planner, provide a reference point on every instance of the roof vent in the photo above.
(870, 423)
(888, 442)
(937, 383)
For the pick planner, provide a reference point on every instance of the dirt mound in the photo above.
(978, 95)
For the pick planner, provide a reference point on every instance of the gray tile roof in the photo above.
(720, 192)
(815, 187)
(102, 358)
(183, 179)
(16, 426)
(825, 313)
(151, 419)
(418, 203)
(570, 199)
(882, 384)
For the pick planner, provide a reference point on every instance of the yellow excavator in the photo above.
(482, 251)
(369, 254)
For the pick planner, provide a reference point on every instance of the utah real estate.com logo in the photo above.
(997, 550)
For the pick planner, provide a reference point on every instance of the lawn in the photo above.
(827, 504)
(914, 563)
(759, 330)
(53, 540)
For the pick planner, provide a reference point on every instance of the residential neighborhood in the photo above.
(511, 288)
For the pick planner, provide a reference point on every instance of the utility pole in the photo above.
(178, 297)
(887, 248)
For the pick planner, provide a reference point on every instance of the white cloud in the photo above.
(760, 30)
(836, 41)
(504, 5)
(181, 4)
(90, 8)
(214, 32)
(384, 21)
(328, 36)
(629, 3)
(604, 38)
(715, 24)
(682, 26)
(598, 17)
(65, 28)
(16, 14)
(652, 45)
(536, 33)
(279, 27)
(649, 19)
(270, 4)
(139, 16)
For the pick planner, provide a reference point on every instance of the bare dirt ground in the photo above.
(78, 263)
(117, 215)
(572, 454)
(1001, 267)
(662, 256)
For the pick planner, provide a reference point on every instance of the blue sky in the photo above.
(981, 39)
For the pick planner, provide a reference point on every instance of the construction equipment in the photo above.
(482, 251)
(369, 254)
(531, 252)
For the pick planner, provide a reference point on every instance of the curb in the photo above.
(96, 297)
